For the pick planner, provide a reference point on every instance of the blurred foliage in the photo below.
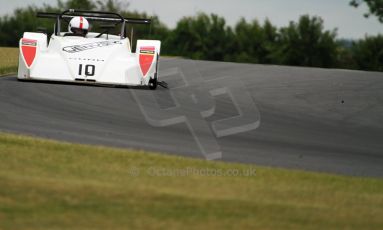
(307, 44)
(207, 37)
(200, 37)
(375, 7)
(368, 53)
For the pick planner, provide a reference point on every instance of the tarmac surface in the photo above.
(302, 118)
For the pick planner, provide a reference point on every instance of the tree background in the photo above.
(375, 7)
(207, 37)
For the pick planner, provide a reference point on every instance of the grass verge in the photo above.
(8, 60)
(52, 185)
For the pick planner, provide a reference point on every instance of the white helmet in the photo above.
(78, 25)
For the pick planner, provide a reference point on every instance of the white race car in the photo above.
(89, 57)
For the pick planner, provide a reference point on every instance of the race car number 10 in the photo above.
(88, 69)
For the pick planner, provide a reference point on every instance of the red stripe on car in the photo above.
(28, 50)
(81, 22)
(150, 48)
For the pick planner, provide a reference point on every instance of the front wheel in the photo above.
(153, 83)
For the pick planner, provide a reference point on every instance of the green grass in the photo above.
(52, 185)
(8, 60)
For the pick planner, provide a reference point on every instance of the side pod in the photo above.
(148, 53)
(30, 46)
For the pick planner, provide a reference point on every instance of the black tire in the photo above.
(153, 83)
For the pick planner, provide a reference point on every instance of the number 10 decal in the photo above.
(89, 70)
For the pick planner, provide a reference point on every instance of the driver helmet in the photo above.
(78, 25)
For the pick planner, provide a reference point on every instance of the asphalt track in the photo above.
(304, 118)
